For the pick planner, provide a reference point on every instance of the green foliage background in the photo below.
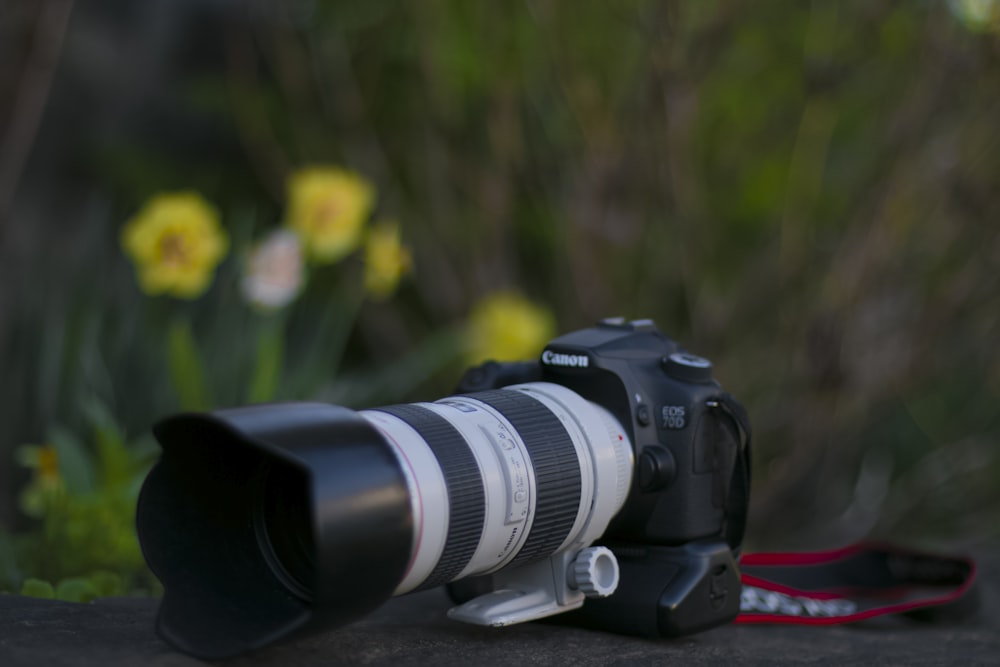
(807, 193)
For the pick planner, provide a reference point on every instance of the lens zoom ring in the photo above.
(556, 466)
(466, 497)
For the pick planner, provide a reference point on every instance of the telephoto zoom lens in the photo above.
(504, 477)
(270, 520)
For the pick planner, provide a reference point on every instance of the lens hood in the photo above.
(270, 520)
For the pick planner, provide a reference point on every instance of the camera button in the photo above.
(642, 415)
(656, 468)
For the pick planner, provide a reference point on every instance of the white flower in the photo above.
(274, 273)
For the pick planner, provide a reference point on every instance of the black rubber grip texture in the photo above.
(556, 466)
(466, 497)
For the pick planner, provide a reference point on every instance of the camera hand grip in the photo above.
(667, 591)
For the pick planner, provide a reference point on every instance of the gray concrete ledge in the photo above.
(413, 630)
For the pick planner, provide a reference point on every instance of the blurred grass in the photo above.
(806, 193)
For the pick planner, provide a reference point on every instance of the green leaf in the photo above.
(115, 462)
(75, 589)
(320, 357)
(144, 448)
(267, 371)
(37, 588)
(76, 466)
(187, 373)
(402, 376)
(107, 584)
(9, 572)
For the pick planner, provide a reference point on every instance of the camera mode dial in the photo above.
(687, 367)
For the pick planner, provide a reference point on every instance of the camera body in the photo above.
(678, 536)
(613, 468)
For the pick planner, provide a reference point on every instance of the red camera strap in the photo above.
(853, 584)
(841, 586)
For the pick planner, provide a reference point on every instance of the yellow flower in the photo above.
(175, 242)
(504, 326)
(386, 260)
(48, 464)
(328, 207)
(46, 483)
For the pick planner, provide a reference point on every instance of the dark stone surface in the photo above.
(413, 630)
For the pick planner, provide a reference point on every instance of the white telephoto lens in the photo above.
(504, 477)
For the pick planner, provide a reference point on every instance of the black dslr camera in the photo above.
(613, 469)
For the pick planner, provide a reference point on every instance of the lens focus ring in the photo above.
(556, 466)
